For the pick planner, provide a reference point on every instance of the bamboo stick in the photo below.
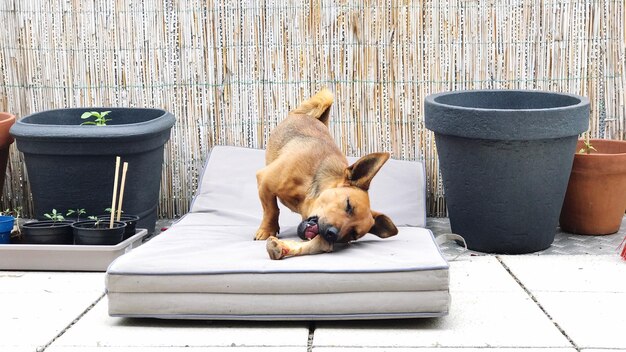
(114, 198)
(121, 197)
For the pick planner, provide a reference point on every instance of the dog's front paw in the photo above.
(276, 249)
(263, 234)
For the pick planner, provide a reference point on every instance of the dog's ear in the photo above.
(361, 173)
(383, 226)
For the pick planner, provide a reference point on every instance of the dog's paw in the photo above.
(263, 234)
(275, 248)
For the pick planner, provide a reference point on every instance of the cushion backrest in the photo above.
(227, 191)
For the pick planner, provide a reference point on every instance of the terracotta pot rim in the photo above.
(6, 117)
(6, 121)
(601, 154)
(600, 163)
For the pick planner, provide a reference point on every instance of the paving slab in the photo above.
(97, 329)
(569, 273)
(177, 349)
(583, 294)
(35, 307)
(435, 349)
(489, 309)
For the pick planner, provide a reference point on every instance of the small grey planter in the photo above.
(505, 158)
(72, 166)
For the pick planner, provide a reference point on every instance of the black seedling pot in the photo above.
(505, 159)
(89, 233)
(129, 220)
(47, 232)
(80, 160)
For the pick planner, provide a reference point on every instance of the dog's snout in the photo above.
(308, 228)
(331, 234)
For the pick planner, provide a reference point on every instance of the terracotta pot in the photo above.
(595, 200)
(6, 121)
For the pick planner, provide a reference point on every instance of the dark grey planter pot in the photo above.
(505, 158)
(47, 232)
(128, 219)
(72, 166)
(89, 232)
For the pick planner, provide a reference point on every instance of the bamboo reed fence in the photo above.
(230, 70)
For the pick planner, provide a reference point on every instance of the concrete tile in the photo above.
(480, 274)
(590, 319)
(18, 348)
(50, 282)
(98, 329)
(176, 349)
(422, 349)
(36, 307)
(569, 273)
(584, 295)
(488, 309)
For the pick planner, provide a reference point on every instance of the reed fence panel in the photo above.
(231, 70)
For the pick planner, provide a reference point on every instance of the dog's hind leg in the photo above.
(279, 249)
(269, 224)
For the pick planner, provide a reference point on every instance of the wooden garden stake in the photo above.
(119, 205)
(117, 171)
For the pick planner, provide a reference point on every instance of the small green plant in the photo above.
(54, 216)
(96, 219)
(78, 213)
(587, 148)
(100, 119)
(108, 210)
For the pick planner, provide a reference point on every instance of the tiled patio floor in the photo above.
(567, 298)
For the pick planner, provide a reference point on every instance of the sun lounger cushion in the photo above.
(207, 265)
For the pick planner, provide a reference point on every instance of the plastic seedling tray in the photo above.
(62, 257)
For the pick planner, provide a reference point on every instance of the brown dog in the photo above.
(309, 174)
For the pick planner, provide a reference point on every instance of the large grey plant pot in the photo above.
(72, 166)
(505, 158)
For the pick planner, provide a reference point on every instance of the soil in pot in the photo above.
(129, 220)
(596, 194)
(47, 232)
(92, 232)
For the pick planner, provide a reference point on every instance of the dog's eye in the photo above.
(349, 207)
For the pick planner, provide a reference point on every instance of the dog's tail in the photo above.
(317, 106)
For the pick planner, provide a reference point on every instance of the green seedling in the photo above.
(96, 219)
(54, 216)
(108, 210)
(78, 213)
(587, 148)
(100, 119)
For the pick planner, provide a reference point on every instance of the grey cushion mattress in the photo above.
(207, 265)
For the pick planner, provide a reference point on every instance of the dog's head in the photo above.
(343, 214)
